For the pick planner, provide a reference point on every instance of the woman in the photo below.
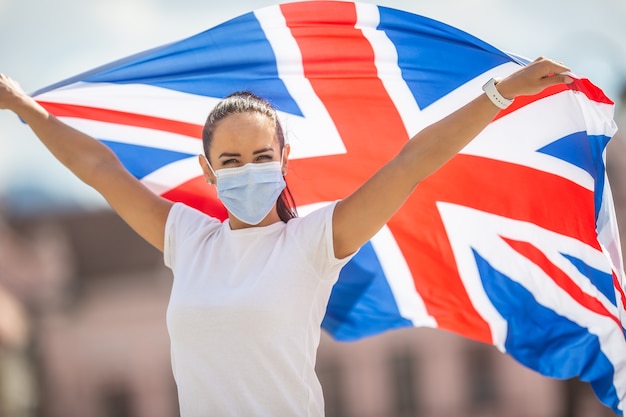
(249, 294)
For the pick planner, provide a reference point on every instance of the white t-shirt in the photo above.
(245, 312)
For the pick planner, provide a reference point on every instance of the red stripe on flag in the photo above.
(560, 278)
(339, 62)
(329, 54)
(198, 194)
(593, 92)
(468, 181)
(516, 192)
(123, 118)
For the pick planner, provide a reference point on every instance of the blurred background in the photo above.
(82, 299)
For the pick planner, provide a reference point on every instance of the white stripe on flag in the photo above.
(453, 100)
(315, 133)
(172, 175)
(309, 137)
(472, 230)
(389, 72)
(516, 137)
(400, 280)
(598, 116)
(139, 99)
(609, 239)
(139, 136)
(461, 242)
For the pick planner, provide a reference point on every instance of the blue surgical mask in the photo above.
(249, 192)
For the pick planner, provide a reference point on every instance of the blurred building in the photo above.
(94, 342)
(96, 296)
(82, 334)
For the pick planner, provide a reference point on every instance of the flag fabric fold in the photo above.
(513, 242)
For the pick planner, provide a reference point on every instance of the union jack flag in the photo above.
(512, 243)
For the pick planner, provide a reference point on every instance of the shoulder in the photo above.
(187, 226)
(181, 213)
(313, 233)
(315, 221)
(314, 214)
(185, 221)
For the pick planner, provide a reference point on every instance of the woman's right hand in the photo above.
(10, 92)
(93, 163)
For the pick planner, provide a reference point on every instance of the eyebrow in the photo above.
(230, 154)
(269, 148)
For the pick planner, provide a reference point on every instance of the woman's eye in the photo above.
(229, 161)
(264, 158)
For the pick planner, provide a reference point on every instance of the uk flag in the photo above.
(513, 242)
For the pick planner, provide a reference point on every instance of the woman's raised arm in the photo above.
(93, 163)
(361, 215)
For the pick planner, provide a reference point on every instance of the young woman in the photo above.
(249, 294)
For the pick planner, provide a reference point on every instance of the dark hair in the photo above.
(246, 102)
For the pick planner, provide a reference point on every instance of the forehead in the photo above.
(242, 131)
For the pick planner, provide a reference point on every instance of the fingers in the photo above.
(557, 79)
(549, 68)
(553, 72)
(8, 84)
(533, 78)
(5, 80)
(8, 81)
(10, 92)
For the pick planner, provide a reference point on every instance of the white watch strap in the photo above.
(494, 95)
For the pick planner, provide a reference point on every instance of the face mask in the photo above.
(250, 191)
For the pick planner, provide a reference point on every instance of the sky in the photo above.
(42, 42)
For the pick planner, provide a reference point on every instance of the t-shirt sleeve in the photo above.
(183, 222)
(315, 235)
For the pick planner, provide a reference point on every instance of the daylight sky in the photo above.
(42, 42)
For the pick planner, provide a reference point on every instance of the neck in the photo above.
(271, 218)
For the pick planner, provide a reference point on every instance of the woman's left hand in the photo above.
(533, 78)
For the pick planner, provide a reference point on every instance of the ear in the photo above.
(206, 170)
(285, 161)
